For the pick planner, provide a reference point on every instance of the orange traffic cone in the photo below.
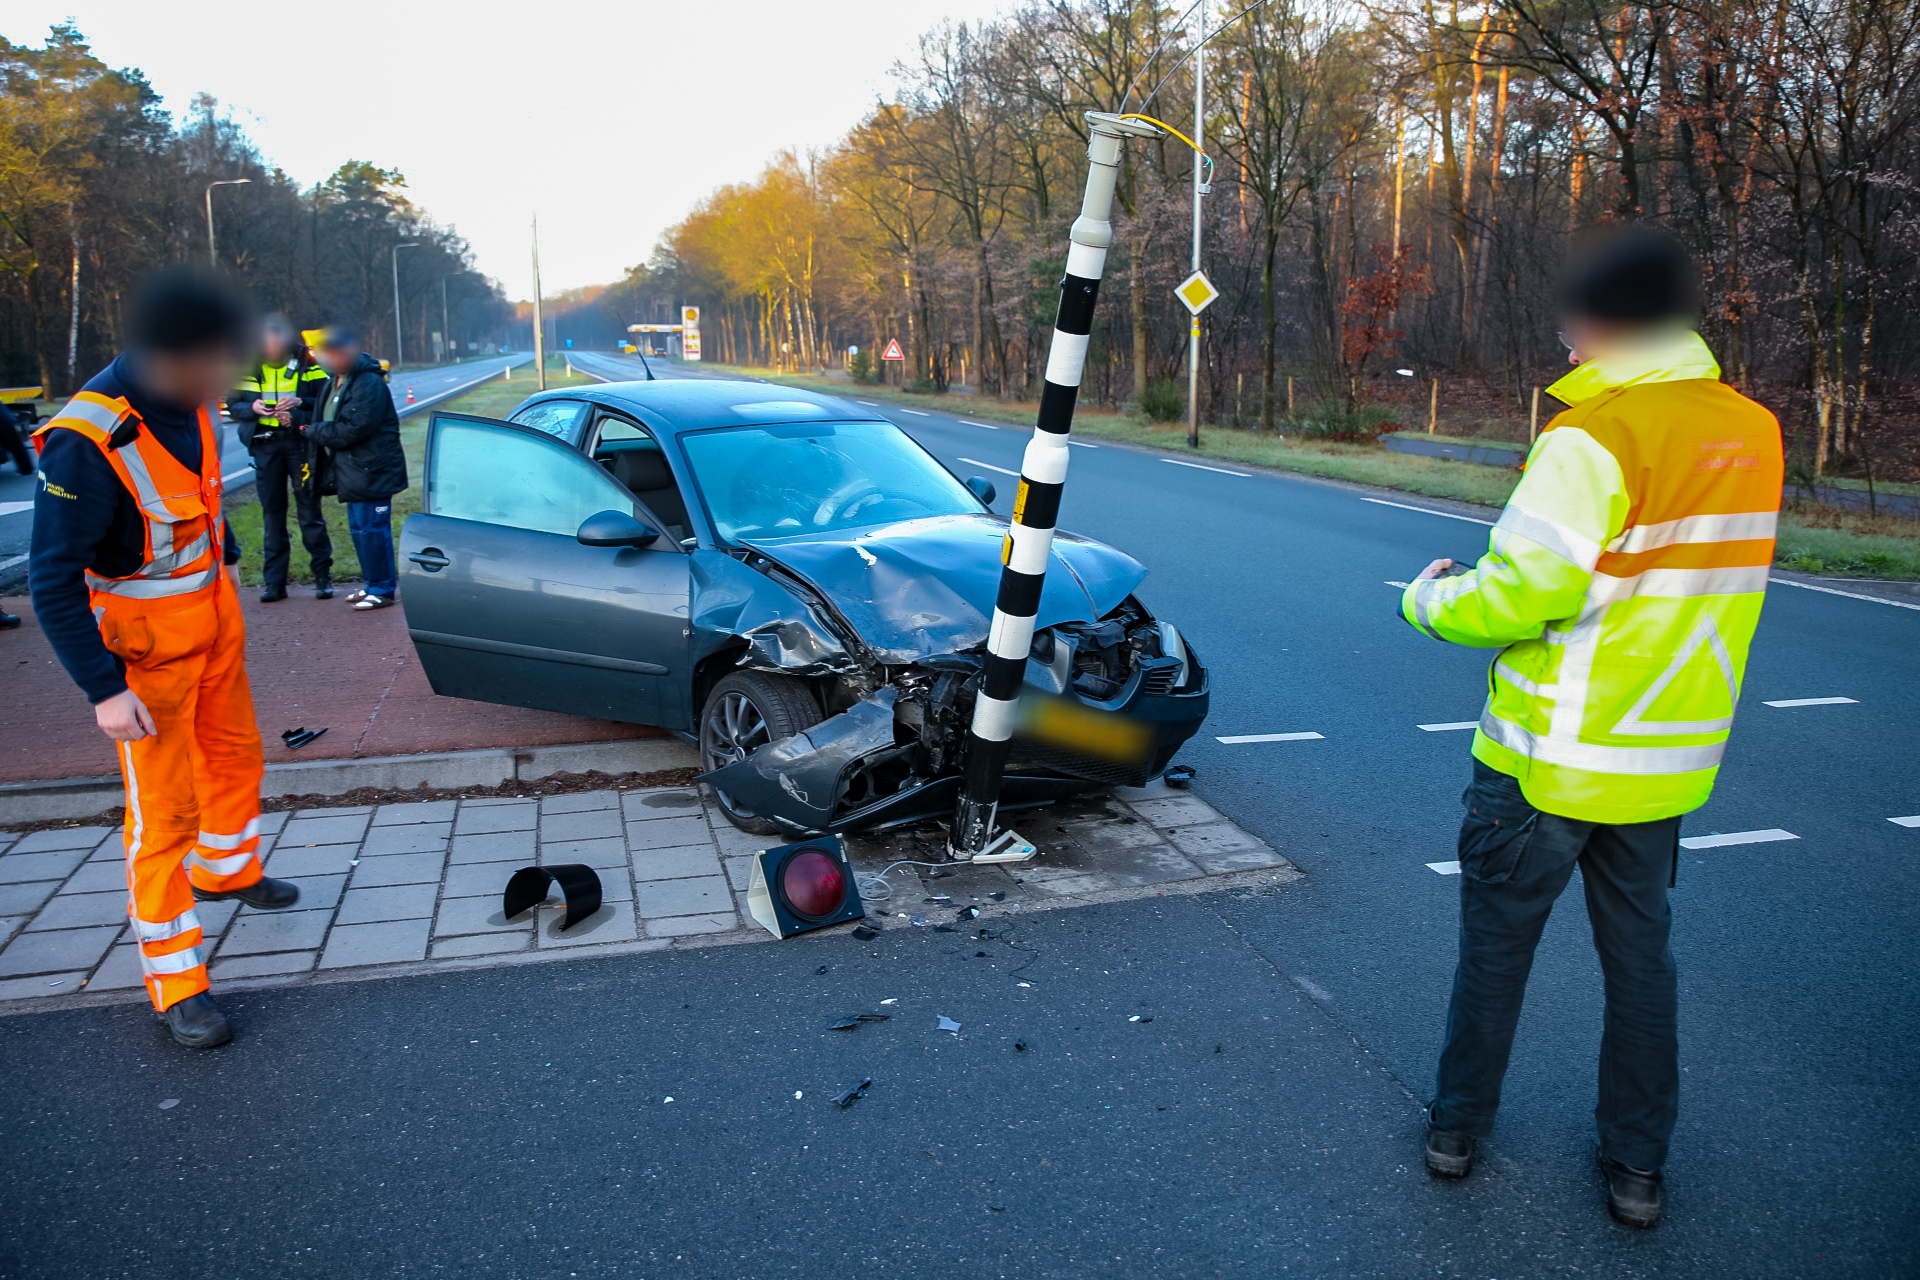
(409, 395)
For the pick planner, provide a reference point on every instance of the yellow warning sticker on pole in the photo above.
(1196, 292)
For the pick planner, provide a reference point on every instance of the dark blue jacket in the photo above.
(84, 518)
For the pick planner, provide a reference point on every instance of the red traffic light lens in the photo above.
(813, 883)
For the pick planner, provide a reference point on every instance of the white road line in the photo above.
(1082, 444)
(1244, 475)
(14, 508)
(1914, 821)
(975, 462)
(8, 564)
(1450, 725)
(969, 422)
(1399, 585)
(1445, 868)
(1237, 739)
(869, 403)
(1814, 702)
(1851, 595)
(1736, 837)
(1429, 511)
(918, 413)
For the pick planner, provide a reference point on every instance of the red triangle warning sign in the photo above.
(893, 351)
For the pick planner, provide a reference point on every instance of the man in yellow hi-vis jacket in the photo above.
(1622, 586)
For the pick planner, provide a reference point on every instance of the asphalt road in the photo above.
(514, 1123)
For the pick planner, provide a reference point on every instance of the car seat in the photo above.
(645, 474)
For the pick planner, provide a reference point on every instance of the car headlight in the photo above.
(1174, 647)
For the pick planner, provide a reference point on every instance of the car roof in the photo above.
(680, 405)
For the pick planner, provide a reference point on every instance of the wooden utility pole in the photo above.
(1533, 422)
(1433, 408)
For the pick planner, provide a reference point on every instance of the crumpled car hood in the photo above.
(921, 588)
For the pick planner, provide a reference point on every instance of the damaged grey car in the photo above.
(786, 580)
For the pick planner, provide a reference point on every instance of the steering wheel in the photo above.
(850, 497)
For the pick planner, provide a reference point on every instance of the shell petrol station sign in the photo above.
(690, 334)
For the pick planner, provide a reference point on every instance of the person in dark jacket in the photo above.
(275, 398)
(357, 422)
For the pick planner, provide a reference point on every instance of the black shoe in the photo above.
(8, 621)
(273, 593)
(322, 589)
(197, 1022)
(264, 894)
(1635, 1197)
(1449, 1155)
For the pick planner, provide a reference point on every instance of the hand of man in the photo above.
(123, 717)
(1434, 570)
(261, 409)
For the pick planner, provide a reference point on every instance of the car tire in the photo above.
(745, 710)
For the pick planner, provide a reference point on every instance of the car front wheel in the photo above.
(745, 711)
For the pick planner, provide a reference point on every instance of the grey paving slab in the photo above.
(497, 846)
(477, 915)
(661, 802)
(271, 823)
(591, 825)
(685, 926)
(98, 877)
(77, 910)
(492, 802)
(388, 942)
(477, 879)
(740, 872)
(328, 830)
(25, 899)
(120, 971)
(419, 837)
(1176, 811)
(10, 925)
(86, 838)
(520, 815)
(214, 917)
(261, 966)
(317, 892)
(1123, 854)
(580, 802)
(1225, 845)
(734, 842)
(288, 862)
(253, 933)
(46, 984)
(399, 868)
(7, 838)
(57, 951)
(669, 833)
(605, 855)
(391, 815)
(701, 895)
(112, 849)
(394, 902)
(676, 864)
(343, 811)
(482, 944)
(19, 868)
(613, 922)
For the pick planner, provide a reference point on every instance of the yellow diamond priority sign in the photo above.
(1197, 292)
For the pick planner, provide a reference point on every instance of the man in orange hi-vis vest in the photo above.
(127, 577)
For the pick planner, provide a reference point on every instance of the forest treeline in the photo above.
(1394, 186)
(99, 186)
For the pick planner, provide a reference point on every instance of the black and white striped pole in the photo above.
(1036, 504)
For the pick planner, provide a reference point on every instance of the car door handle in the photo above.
(432, 559)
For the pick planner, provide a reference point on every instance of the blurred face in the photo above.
(337, 360)
(1588, 339)
(276, 343)
(190, 377)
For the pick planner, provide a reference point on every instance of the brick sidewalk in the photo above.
(419, 885)
(313, 663)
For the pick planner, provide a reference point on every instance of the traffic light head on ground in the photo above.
(800, 887)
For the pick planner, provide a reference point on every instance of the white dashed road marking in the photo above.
(975, 462)
(1237, 739)
(1450, 726)
(1813, 702)
(1851, 595)
(1401, 586)
(14, 508)
(1736, 837)
(1446, 868)
(1082, 444)
(969, 422)
(1244, 475)
(1404, 506)
(1914, 821)
(9, 563)
(869, 403)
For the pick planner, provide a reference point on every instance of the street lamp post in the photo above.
(213, 256)
(399, 344)
(1200, 186)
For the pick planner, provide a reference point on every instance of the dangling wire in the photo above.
(1189, 53)
(1206, 174)
(1177, 26)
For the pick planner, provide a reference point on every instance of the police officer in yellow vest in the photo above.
(273, 401)
(1622, 586)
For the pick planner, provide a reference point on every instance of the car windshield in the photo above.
(777, 481)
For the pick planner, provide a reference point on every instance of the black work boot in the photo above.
(197, 1023)
(8, 621)
(323, 589)
(1635, 1197)
(273, 593)
(264, 894)
(1449, 1155)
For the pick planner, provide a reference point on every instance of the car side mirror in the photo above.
(615, 529)
(982, 489)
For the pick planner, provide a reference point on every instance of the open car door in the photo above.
(503, 602)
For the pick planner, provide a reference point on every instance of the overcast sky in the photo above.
(608, 119)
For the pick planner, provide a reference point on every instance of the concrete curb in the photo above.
(61, 798)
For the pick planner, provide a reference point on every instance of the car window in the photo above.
(503, 477)
(557, 418)
(767, 482)
(614, 429)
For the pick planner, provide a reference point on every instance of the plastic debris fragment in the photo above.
(948, 1024)
(846, 1098)
(1140, 1017)
(866, 932)
(579, 888)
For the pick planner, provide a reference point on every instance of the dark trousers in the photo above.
(1514, 861)
(371, 524)
(276, 469)
(11, 442)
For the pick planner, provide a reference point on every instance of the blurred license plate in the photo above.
(1062, 722)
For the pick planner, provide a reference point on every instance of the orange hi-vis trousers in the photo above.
(193, 788)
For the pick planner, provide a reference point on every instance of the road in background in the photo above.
(430, 386)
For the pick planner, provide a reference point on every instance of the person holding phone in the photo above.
(274, 400)
(1622, 586)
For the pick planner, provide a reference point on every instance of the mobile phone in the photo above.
(1457, 568)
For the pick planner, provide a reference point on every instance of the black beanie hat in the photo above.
(1631, 274)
